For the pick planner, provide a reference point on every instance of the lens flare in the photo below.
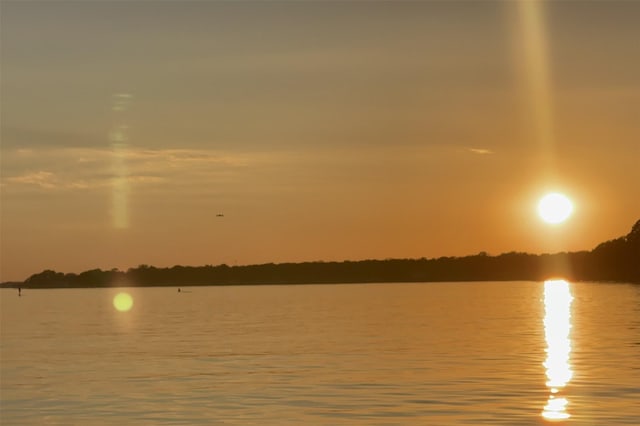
(535, 67)
(123, 302)
(118, 138)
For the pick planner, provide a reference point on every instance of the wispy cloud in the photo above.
(76, 168)
(480, 151)
(42, 179)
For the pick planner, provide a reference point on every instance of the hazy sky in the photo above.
(321, 130)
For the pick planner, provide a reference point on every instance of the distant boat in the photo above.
(219, 215)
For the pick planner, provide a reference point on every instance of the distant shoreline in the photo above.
(616, 260)
(14, 286)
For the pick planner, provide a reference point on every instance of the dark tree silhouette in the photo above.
(614, 260)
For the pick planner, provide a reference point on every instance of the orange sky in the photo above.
(322, 131)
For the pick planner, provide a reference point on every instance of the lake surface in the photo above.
(513, 353)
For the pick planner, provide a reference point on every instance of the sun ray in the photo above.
(118, 138)
(537, 79)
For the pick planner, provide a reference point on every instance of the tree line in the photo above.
(616, 260)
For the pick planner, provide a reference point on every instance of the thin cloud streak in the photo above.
(87, 169)
(42, 179)
(480, 151)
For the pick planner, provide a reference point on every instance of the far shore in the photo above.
(19, 285)
(616, 260)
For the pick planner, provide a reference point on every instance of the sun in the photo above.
(555, 208)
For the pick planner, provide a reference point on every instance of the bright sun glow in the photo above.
(555, 208)
(123, 302)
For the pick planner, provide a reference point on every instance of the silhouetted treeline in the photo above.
(615, 260)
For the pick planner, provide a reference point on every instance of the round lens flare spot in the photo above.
(555, 208)
(123, 302)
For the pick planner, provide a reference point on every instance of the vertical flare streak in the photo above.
(537, 75)
(118, 139)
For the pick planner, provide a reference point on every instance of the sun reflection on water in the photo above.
(557, 328)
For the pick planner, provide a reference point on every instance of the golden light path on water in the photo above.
(557, 331)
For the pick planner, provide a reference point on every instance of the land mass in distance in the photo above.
(616, 260)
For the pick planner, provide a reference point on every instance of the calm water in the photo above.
(430, 354)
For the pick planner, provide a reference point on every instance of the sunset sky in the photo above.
(321, 130)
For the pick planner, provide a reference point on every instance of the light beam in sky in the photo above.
(553, 208)
(536, 74)
(118, 140)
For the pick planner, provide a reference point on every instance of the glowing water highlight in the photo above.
(557, 331)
